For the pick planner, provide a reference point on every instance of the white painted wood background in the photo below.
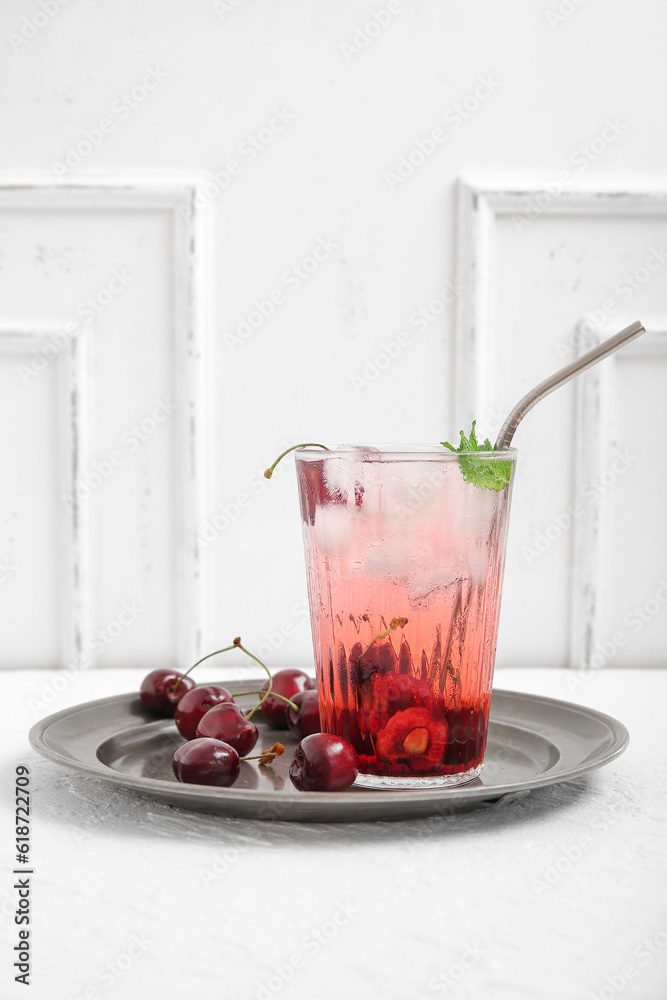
(278, 221)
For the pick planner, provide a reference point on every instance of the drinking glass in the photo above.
(404, 558)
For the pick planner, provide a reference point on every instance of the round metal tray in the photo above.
(533, 741)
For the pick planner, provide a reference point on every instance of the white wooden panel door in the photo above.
(547, 273)
(100, 362)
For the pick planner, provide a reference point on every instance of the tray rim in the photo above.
(438, 797)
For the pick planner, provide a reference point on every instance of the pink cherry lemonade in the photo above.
(405, 562)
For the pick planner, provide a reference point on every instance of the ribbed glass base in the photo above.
(382, 781)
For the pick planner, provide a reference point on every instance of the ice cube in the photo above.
(332, 529)
(478, 563)
(388, 560)
(343, 475)
(421, 587)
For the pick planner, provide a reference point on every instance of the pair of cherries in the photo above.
(219, 735)
(321, 763)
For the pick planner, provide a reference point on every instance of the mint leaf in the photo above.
(487, 474)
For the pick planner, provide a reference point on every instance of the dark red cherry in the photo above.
(227, 722)
(206, 762)
(195, 704)
(286, 683)
(306, 720)
(157, 690)
(415, 737)
(324, 763)
(466, 736)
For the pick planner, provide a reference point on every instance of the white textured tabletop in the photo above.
(562, 895)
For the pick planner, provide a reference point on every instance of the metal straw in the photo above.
(586, 360)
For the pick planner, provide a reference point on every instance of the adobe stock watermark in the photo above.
(564, 10)
(291, 281)
(365, 33)
(131, 440)
(228, 513)
(581, 159)
(220, 864)
(31, 26)
(418, 321)
(313, 942)
(605, 650)
(625, 287)
(93, 305)
(7, 908)
(121, 109)
(430, 483)
(591, 492)
(223, 7)
(563, 864)
(112, 971)
(644, 953)
(429, 827)
(81, 834)
(247, 151)
(571, 855)
(425, 830)
(276, 639)
(447, 979)
(454, 117)
(97, 642)
(7, 570)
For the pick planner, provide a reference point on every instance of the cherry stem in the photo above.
(274, 694)
(237, 642)
(189, 671)
(308, 444)
(238, 645)
(268, 756)
(393, 624)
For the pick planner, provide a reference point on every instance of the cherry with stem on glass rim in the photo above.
(308, 444)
